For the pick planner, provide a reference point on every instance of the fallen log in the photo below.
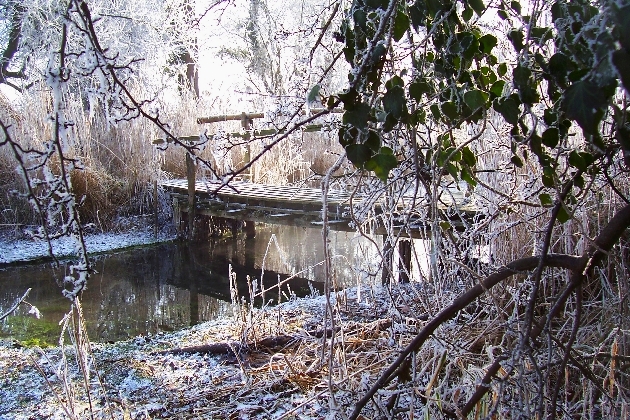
(266, 345)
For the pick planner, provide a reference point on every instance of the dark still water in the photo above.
(173, 285)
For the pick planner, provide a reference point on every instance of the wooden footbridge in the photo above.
(198, 204)
(285, 205)
(248, 201)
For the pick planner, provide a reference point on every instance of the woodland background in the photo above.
(521, 105)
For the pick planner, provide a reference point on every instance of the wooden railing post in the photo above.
(246, 124)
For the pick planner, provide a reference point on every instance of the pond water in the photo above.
(173, 285)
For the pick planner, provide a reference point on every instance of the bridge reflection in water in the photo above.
(173, 285)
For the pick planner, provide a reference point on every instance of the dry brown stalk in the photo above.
(580, 266)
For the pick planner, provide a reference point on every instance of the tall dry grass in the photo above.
(514, 226)
(120, 162)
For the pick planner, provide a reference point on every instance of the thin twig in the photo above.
(15, 306)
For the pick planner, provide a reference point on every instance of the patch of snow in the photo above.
(133, 384)
(33, 249)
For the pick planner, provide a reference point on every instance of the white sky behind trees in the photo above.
(150, 30)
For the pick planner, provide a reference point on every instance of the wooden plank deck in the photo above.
(297, 206)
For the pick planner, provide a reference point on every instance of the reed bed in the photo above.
(119, 163)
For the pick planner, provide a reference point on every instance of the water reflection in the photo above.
(173, 285)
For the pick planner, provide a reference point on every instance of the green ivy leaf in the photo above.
(373, 141)
(390, 123)
(579, 74)
(475, 99)
(517, 161)
(560, 65)
(550, 116)
(563, 216)
(508, 108)
(401, 24)
(395, 81)
(516, 6)
(360, 18)
(382, 163)
(502, 69)
(452, 170)
(580, 160)
(477, 6)
(418, 15)
(435, 111)
(584, 102)
(579, 182)
(358, 117)
(358, 154)
(621, 61)
(417, 89)
(497, 88)
(330, 104)
(545, 200)
(467, 14)
(436, 6)
(469, 157)
(394, 101)
(466, 176)
(419, 117)
(487, 43)
(450, 110)
(471, 47)
(349, 99)
(541, 34)
(516, 37)
(622, 17)
(521, 76)
(551, 137)
(313, 95)
(387, 151)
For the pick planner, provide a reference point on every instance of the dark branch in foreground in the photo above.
(580, 266)
(269, 345)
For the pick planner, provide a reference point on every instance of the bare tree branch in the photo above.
(580, 266)
(15, 306)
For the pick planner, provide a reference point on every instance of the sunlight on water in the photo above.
(173, 285)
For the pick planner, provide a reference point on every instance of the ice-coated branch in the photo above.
(15, 305)
(579, 266)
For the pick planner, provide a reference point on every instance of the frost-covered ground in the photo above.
(138, 380)
(142, 378)
(17, 250)
(141, 383)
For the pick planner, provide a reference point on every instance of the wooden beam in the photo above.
(229, 117)
(254, 116)
(246, 135)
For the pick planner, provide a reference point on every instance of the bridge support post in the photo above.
(250, 229)
(177, 217)
(234, 227)
(388, 249)
(404, 260)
